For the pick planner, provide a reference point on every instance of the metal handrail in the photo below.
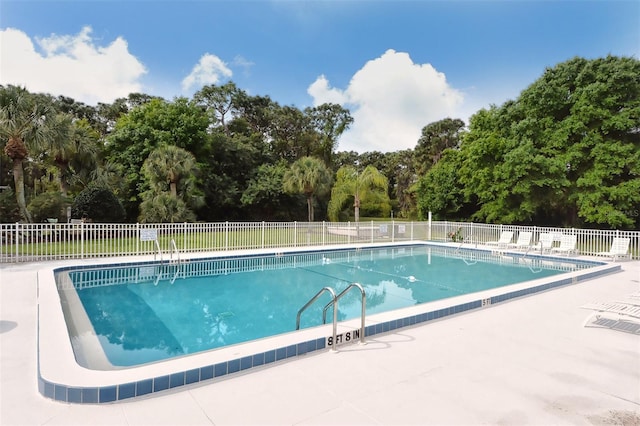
(175, 249)
(313, 299)
(335, 307)
(159, 251)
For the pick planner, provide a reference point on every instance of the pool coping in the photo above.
(60, 378)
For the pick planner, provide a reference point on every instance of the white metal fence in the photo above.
(589, 241)
(53, 241)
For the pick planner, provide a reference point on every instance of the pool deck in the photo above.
(526, 361)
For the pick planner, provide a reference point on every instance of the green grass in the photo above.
(74, 246)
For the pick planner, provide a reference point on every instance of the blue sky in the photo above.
(397, 65)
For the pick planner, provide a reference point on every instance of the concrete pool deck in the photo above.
(527, 361)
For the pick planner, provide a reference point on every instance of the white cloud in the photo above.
(209, 70)
(70, 65)
(243, 63)
(322, 93)
(391, 99)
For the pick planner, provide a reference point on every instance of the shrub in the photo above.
(48, 205)
(164, 208)
(9, 210)
(98, 205)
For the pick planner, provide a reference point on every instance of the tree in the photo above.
(49, 205)
(400, 170)
(350, 184)
(226, 174)
(163, 208)
(219, 102)
(169, 168)
(308, 176)
(78, 147)
(291, 135)
(98, 204)
(329, 121)
(9, 211)
(256, 111)
(25, 124)
(439, 191)
(181, 123)
(265, 196)
(435, 138)
(566, 152)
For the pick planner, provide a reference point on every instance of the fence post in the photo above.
(393, 231)
(429, 227)
(372, 231)
(323, 232)
(82, 239)
(295, 234)
(184, 237)
(262, 244)
(226, 235)
(16, 240)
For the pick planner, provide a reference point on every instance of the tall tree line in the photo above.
(565, 152)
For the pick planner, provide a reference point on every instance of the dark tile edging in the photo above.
(124, 391)
(112, 393)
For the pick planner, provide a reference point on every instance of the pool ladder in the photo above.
(334, 302)
(171, 261)
(174, 249)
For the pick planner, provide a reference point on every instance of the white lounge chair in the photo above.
(567, 245)
(626, 316)
(545, 242)
(619, 249)
(523, 241)
(505, 239)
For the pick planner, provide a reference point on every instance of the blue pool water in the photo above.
(150, 312)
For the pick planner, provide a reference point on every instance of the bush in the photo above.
(9, 210)
(164, 208)
(98, 205)
(48, 205)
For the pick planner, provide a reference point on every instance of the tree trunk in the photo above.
(64, 186)
(18, 179)
(356, 208)
(310, 208)
(174, 189)
(63, 168)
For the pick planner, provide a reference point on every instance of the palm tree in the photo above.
(25, 124)
(359, 186)
(78, 149)
(169, 168)
(309, 176)
(164, 208)
(171, 165)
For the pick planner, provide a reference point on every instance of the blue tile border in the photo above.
(119, 392)
(107, 394)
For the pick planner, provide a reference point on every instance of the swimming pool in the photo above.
(409, 289)
(150, 312)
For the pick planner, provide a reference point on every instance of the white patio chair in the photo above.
(545, 242)
(523, 241)
(505, 239)
(619, 249)
(567, 245)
